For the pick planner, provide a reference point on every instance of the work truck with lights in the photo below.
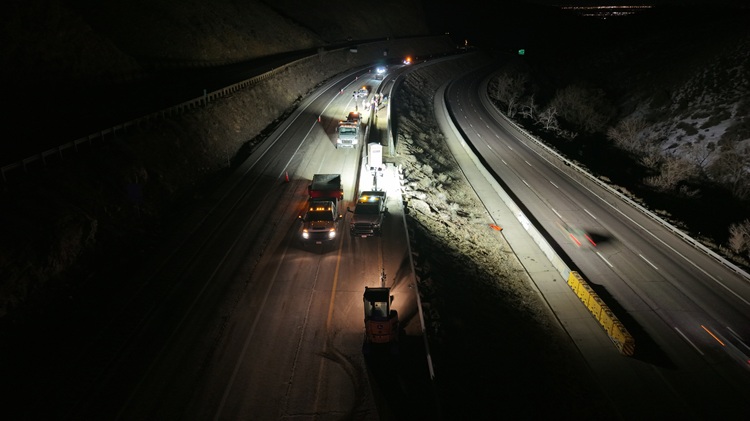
(368, 214)
(320, 218)
(349, 131)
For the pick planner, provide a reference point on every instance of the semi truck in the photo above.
(349, 131)
(320, 218)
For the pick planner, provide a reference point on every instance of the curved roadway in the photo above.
(688, 310)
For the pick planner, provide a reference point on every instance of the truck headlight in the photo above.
(305, 234)
(332, 233)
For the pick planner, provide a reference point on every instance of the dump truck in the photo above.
(368, 214)
(320, 218)
(349, 131)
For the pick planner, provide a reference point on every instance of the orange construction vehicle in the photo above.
(381, 322)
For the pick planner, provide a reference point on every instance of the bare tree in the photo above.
(700, 155)
(548, 118)
(739, 237)
(731, 168)
(508, 88)
(651, 161)
(627, 134)
(529, 108)
(586, 108)
(673, 171)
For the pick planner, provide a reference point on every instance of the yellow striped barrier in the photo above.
(616, 330)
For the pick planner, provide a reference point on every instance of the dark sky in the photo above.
(521, 23)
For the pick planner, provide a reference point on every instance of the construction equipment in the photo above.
(381, 322)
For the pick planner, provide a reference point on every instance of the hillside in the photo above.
(91, 43)
(657, 105)
(61, 225)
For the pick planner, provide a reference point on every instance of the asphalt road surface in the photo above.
(233, 318)
(687, 309)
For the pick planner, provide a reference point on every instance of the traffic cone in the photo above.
(286, 176)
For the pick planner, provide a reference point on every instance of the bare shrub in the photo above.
(739, 237)
(698, 154)
(508, 88)
(731, 168)
(548, 118)
(673, 171)
(688, 128)
(529, 108)
(627, 134)
(651, 161)
(585, 108)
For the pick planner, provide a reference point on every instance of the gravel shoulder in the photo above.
(497, 348)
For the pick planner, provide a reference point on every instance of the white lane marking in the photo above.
(605, 260)
(688, 340)
(739, 339)
(647, 261)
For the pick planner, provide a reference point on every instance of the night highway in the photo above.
(234, 318)
(686, 308)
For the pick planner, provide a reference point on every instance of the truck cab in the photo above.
(348, 133)
(319, 221)
(368, 214)
(320, 217)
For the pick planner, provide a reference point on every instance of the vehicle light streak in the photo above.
(713, 336)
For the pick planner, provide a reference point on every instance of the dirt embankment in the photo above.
(496, 346)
